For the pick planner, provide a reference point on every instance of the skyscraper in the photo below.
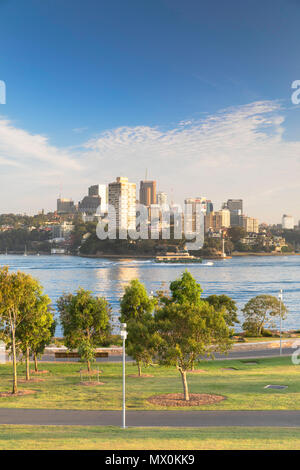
(65, 206)
(288, 222)
(192, 208)
(100, 190)
(236, 210)
(122, 196)
(147, 193)
(161, 199)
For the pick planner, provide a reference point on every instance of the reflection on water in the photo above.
(240, 278)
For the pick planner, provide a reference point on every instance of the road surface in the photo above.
(273, 418)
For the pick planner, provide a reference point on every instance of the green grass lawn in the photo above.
(243, 388)
(112, 438)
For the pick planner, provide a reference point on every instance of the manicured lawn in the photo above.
(112, 438)
(243, 388)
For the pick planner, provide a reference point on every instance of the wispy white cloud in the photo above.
(19, 145)
(237, 152)
(79, 130)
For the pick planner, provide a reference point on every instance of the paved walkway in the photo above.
(247, 354)
(187, 418)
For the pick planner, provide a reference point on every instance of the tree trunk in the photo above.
(139, 368)
(35, 362)
(185, 385)
(27, 365)
(15, 383)
(89, 366)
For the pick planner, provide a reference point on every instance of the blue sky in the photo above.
(101, 88)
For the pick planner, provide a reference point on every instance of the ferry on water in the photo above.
(179, 257)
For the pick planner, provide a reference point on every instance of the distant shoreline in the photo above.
(131, 256)
(234, 254)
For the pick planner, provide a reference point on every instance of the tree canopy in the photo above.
(19, 294)
(227, 305)
(188, 327)
(136, 312)
(85, 322)
(261, 310)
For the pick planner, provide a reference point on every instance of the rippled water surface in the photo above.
(239, 277)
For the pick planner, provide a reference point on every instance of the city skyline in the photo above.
(207, 110)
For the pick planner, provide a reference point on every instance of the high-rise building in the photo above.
(147, 193)
(209, 206)
(161, 199)
(89, 205)
(122, 196)
(65, 206)
(250, 224)
(225, 217)
(217, 220)
(192, 207)
(288, 222)
(102, 191)
(235, 207)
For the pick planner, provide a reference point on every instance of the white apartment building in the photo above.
(122, 196)
(288, 222)
(250, 224)
(224, 215)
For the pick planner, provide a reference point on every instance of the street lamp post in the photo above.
(123, 336)
(280, 301)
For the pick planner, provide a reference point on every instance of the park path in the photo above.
(273, 418)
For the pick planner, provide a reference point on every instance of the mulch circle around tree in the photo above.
(140, 376)
(177, 399)
(37, 372)
(32, 379)
(91, 383)
(18, 394)
(196, 371)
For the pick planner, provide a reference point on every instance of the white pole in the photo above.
(280, 300)
(124, 412)
(124, 336)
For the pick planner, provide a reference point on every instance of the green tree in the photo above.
(235, 233)
(182, 290)
(18, 296)
(188, 331)
(85, 322)
(262, 310)
(136, 312)
(46, 330)
(35, 328)
(228, 305)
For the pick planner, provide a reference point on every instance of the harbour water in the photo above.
(240, 277)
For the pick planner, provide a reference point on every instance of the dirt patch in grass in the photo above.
(18, 394)
(229, 369)
(33, 379)
(91, 383)
(177, 399)
(39, 372)
(140, 376)
(91, 372)
(196, 371)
